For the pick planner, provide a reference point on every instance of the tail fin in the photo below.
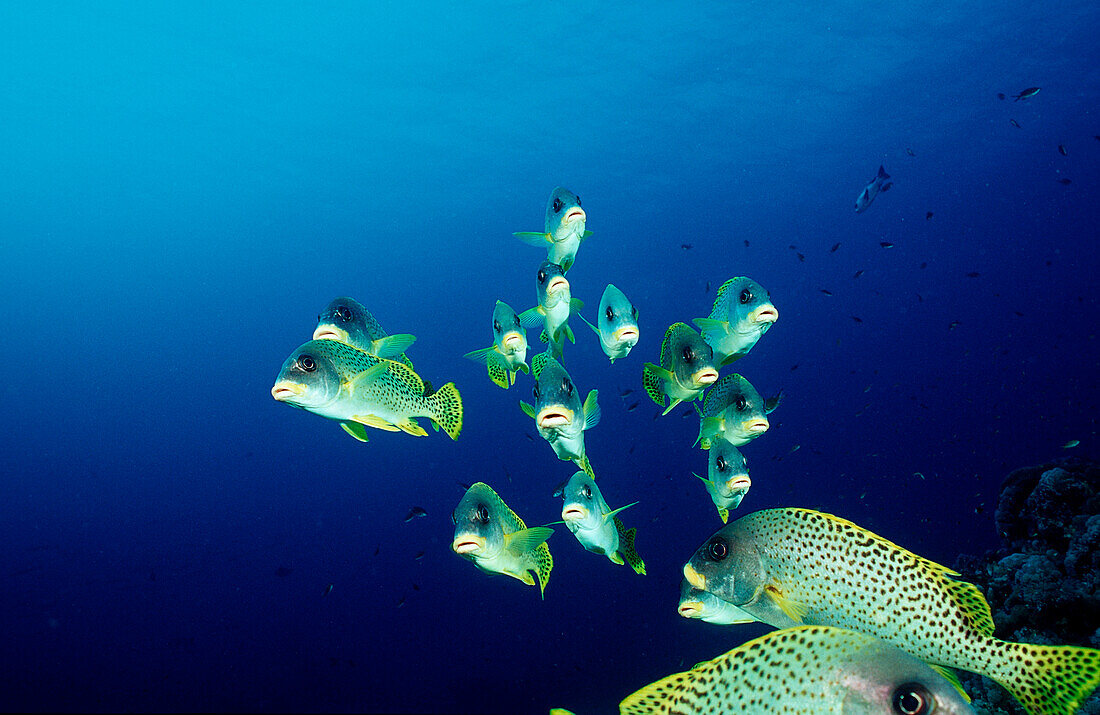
(882, 172)
(626, 547)
(446, 407)
(1048, 680)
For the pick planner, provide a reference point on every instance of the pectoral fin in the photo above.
(533, 238)
(594, 328)
(482, 355)
(527, 409)
(368, 376)
(611, 514)
(392, 345)
(525, 540)
(795, 611)
(591, 410)
(532, 317)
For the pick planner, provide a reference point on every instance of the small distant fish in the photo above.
(858, 320)
(1096, 137)
(795, 366)
(415, 512)
(928, 215)
(632, 406)
(923, 265)
(867, 389)
(377, 549)
(886, 244)
(920, 298)
(954, 324)
(770, 403)
(328, 590)
(1062, 150)
(794, 449)
(918, 474)
(1000, 95)
(686, 246)
(1071, 444)
(1064, 182)
(910, 152)
(833, 249)
(1014, 123)
(876, 186)
(746, 243)
(1027, 93)
(624, 393)
(826, 292)
(707, 289)
(973, 274)
(801, 258)
(793, 247)
(401, 602)
(858, 273)
(1018, 314)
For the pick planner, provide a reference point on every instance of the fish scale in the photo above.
(828, 571)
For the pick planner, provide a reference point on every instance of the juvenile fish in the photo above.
(876, 186)
(616, 323)
(508, 353)
(564, 228)
(687, 368)
(595, 524)
(491, 535)
(741, 314)
(823, 570)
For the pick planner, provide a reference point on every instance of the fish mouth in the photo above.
(739, 484)
(764, 314)
(706, 376)
(557, 283)
(755, 426)
(512, 340)
(330, 332)
(624, 334)
(691, 609)
(575, 214)
(696, 579)
(573, 513)
(468, 544)
(285, 390)
(550, 417)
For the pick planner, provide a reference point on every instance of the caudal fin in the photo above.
(446, 407)
(1049, 680)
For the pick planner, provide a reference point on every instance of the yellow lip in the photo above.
(755, 426)
(468, 544)
(625, 334)
(554, 417)
(691, 609)
(557, 283)
(573, 513)
(330, 332)
(285, 389)
(738, 483)
(764, 314)
(512, 340)
(696, 579)
(575, 214)
(706, 376)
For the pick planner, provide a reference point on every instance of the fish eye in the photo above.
(740, 403)
(558, 205)
(587, 491)
(542, 275)
(912, 699)
(718, 549)
(609, 313)
(482, 514)
(343, 313)
(306, 363)
(746, 296)
(688, 353)
(567, 385)
(721, 463)
(496, 326)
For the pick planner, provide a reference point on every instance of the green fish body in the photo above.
(347, 320)
(596, 525)
(732, 410)
(508, 353)
(687, 368)
(564, 228)
(491, 535)
(335, 380)
(802, 670)
(822, 570)
(741, 314)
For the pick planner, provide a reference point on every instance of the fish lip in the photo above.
(557, 283)
(739, 483)
(578, 513)
(691, 609)
(755, 426)
(467, 544)
(330, 332)
(625, 334)
(575, 214)
(512, 339)
(696, 579)
(706, 376)
(550, 417)
(284, 390)
(765, 314)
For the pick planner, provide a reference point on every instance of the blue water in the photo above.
(184, 186)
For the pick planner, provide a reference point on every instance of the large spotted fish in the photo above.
(732, 410)
(508, 353)
(687, 368)
(804, 670)
(822, 570)
(741, 314)
(564, 228)
(347, 320)
(335, 380)
(491, 535)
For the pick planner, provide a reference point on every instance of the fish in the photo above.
(555, 305)
(1014, 123)
(857, 318)
(328, 590)
(686, 246)
(742, 312)
(617, 324)
(508, 353)
(1062, 150)
(632, 406)
(801, 258)
(886, 244)
(858, 273)
(826, 571)
(833, 249)
(825, 291)
(954, 324)
(1027, 93)
(687, 368)
(910, 152)
(707, 607)
(928, 216)
(805, 669)
(415, 512)
(558, 413)
(596, 525)
(1000, 95)
(1071, 444)
(770, 403)
(491, 535)
(1064, 182)
(348, 321)
(876, 186)
(733, 410)
(564, 228)
(973, 274)
(727, 479)
(340, 382)
(746, 243)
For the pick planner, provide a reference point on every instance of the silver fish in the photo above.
(873, 189)
(616, 324)
(564, 228)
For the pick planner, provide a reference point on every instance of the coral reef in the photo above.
(1043, 584)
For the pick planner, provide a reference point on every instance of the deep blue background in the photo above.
(184, 186)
